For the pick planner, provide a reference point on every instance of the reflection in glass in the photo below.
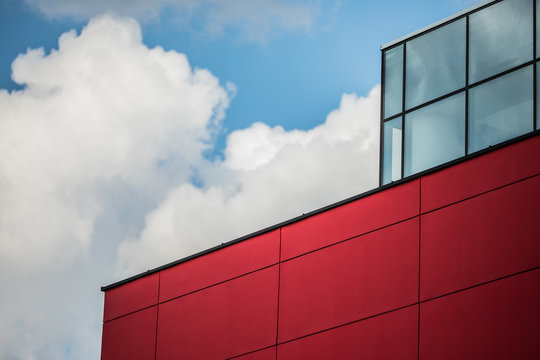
(501, 109)
(435, 64)
(500, 37)
(392, 151)
(435, 134)
(393, 81)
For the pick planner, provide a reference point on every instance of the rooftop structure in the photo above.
(458, 87)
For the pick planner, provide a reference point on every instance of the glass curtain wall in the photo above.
(459, 87)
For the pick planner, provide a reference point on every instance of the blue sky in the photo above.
(159, 129)
(287, 78)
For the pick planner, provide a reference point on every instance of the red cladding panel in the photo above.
(487, 172)
(481, 239)
(130, 337)
(352, 219)
(266, 354)
(221, 265)
(225, 320)
(133, 296)
(349, 281)
(498, 320)
(390, 336)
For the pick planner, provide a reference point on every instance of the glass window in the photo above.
(435, 64)
(501, 109)
(393, 81)
(392, 151)
(435, 134)
(500, 37)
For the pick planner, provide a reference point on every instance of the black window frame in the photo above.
(403, 42)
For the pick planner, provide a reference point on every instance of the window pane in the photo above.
(393, 81)
(435, 64)
(392, 151)
(500, 38)
(501, 109)
(435, 134)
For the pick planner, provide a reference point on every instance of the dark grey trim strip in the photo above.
(403, 88)
(535, 85)
(466, 85)
(381, 122)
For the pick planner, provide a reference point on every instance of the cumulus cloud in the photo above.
(268, 175)
(101, 115)
(102, 175)
(101, 107)
(255, 19)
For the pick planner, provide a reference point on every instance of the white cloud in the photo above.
(89, 114)
(255, 19)
(102, 112)
(97, 157)
(268, 175)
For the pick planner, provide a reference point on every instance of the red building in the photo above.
(442, 263)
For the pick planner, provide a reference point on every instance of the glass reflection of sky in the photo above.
(500, 38)
(393, 81)
(501, 109)
(392, 151)
(435, 134)
(435, 64)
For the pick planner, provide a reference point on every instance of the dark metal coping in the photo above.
(323, 209)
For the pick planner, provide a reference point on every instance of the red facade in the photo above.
(445, 266)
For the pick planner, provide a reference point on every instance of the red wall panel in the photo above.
(487, 172)
(389, 336)
(361, 277)
(222, 304)
(266, 354)
(221, 265)
(130, 337)
(494, 321)
(229, 319)
(352, 219)
(131, 297)
(481, 239)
